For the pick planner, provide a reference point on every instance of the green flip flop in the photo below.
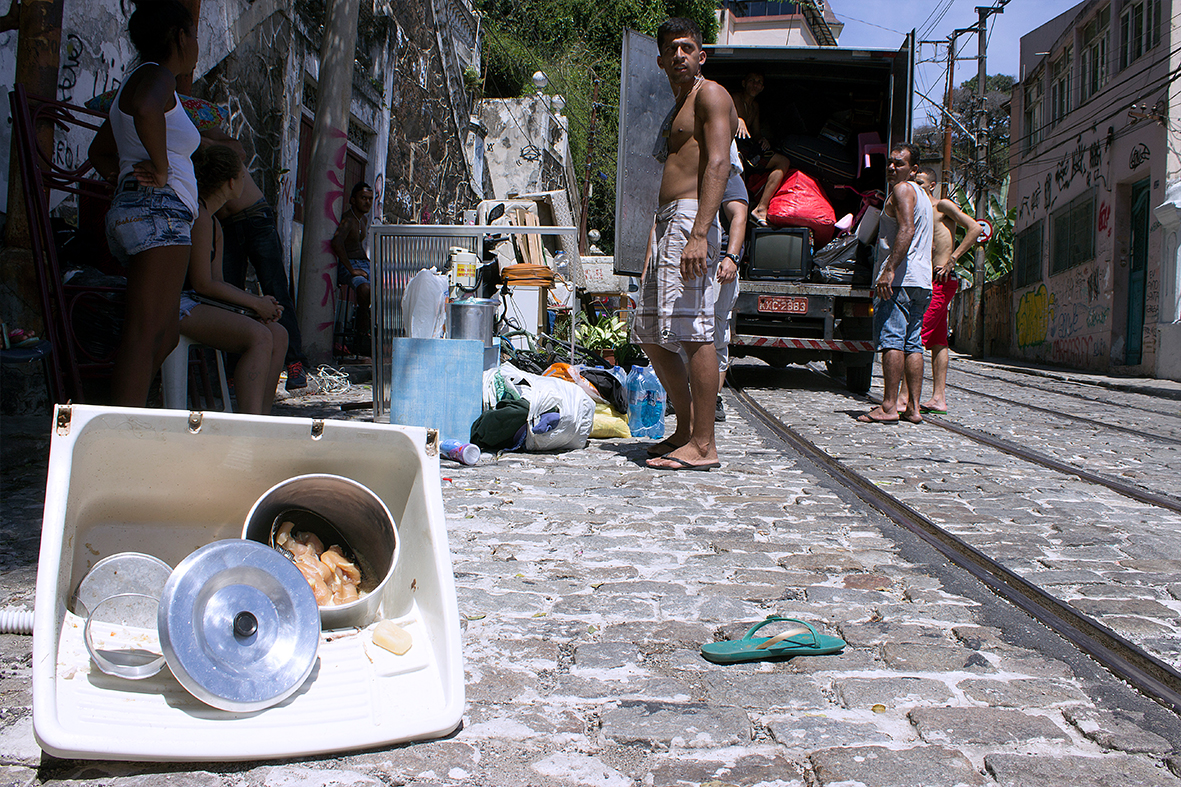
(803, 640)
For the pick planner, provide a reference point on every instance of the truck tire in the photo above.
(858, 378)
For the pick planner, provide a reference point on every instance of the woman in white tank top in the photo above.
(145, 146)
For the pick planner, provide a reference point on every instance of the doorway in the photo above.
(1137, 266)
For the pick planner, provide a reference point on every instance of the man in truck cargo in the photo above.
(902, 287)
(755, 147)
(946, 215)
(676, 309)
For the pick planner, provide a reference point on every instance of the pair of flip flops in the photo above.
(932, 411)
(801, 640)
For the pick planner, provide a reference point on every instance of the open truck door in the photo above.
(644, 100)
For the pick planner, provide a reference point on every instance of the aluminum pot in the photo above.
(472, 318)
(339, 511)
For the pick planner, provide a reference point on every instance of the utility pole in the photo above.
(981, 155)
(946, 174)
(586, 181)
(324, 203)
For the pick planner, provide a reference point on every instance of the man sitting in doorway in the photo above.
(352, 260)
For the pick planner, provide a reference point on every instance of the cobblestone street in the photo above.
(587, 584)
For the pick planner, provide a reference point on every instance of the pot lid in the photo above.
(239, 625)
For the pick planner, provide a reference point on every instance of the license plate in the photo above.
(782, 304)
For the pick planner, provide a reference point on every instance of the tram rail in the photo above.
(1147, 673)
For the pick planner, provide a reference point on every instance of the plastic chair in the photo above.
(174, 377)
(869, 144)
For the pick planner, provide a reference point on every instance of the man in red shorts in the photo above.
(944, 282)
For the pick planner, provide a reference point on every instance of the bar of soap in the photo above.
(392, 637)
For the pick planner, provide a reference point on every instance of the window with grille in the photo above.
(1027, 255)
(1139, 30)
(1094, 55)
(1073, 229)
(1060, 84)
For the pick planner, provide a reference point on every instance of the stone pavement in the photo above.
(587, 584)
(1111, 557)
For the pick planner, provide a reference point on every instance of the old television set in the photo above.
(780, 253)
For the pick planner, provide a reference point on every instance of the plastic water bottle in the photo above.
(653, 409)
(456, 451)
(635, 390)
(646, 398)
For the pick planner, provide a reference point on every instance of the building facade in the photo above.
(761, 23)
(1094, 159)
(409, 132)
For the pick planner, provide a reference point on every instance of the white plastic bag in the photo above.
(576, 410)
(424, 305)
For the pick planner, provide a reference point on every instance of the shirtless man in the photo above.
(902, 288)
(755, 147)
(947, 215)
(676, 309)
(348, 246)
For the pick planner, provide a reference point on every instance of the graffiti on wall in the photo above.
(1139, 155)
(1033, 317)
(1079, 350)
(1075, 309)
(1105, 219)
(86, 72)
(333, 209)
(1082, 164)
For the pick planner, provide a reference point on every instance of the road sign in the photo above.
(985, 230)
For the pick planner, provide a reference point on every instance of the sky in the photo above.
(873, 23)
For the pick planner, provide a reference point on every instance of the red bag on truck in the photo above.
(800, 202)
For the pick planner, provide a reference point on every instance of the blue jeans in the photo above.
(252, 236)
(898, 321)
(146, 217)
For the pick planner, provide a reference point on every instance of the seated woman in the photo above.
(756, 149)
(260, 341)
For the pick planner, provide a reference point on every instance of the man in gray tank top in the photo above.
(902, 288)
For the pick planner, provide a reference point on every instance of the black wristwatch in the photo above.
(731, 256)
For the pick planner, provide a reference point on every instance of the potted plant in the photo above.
(607, 337)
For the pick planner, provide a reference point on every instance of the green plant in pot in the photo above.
(609, 338)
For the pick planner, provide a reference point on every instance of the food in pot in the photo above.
(334, 579)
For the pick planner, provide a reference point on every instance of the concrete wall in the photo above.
(429, 181)
(527, 146)
(1079, 317)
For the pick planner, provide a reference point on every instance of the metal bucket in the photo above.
(339, 511)
(471, 318)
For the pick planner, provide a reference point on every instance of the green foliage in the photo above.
(963, 151)
(575, 42)
(607, 334)
(998, 251)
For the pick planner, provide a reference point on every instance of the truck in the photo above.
(833, 111)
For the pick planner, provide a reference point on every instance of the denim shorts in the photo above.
(188, 302)
(145, 217)
(342, 276)
(898, 322)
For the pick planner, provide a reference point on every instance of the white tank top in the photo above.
(182, 139)
(915, 268)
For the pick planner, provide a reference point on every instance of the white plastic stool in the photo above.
(174, 377)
